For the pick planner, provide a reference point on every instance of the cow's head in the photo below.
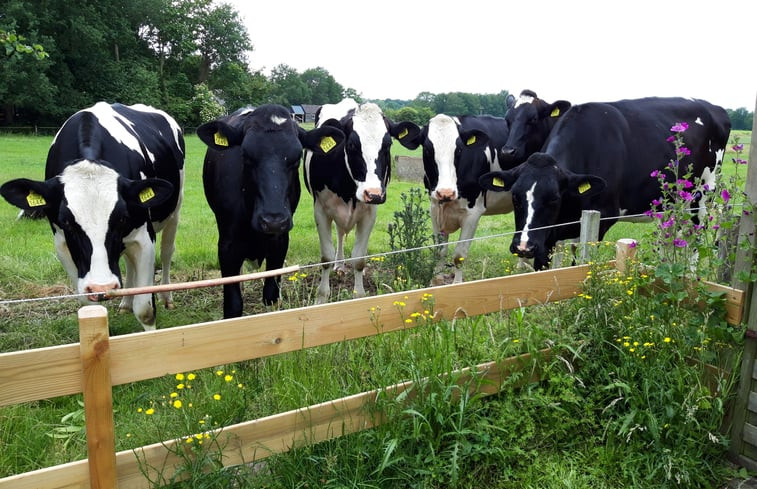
(367, 148)
(530, 120)
(453, 159)
(540, 191)
(94, 213)
(269, 144)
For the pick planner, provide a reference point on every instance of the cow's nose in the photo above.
(522, 249)
(508, 151)
(99, 292)
(275, 224)
(374, 196)
(446, 194)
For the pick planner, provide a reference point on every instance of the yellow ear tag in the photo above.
(470, 140)
(402, 134)
(498, 182)
(34, 199)
(327, 144)
(220, 139)
(146, 194)
(555, 112)
(583, 187)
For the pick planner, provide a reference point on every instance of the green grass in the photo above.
(560, 433)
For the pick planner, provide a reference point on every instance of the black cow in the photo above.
(530, 120)
(600, 156)
(114, 177)
(348, 185)
(252, 184)
(456, 152)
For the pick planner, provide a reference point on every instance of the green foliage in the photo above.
(205, 104)
(410, 230)
(15, 46)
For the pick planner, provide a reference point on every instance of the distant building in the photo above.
(310, 112)
(298, 113)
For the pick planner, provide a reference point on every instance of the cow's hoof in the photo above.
(170, 305)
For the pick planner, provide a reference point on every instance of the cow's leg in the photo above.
(340, 266)
(141, 253)
(360, 248)
(323, 225)
(274, 260)
(467, 232)
(230, 260)
(126, 304)
(167, 248)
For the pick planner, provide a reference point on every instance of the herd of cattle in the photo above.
(114, 178)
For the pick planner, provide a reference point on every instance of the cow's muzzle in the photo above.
(99, 292)
(275, 223)
(446, 195)
(374, 196)
(522, 249)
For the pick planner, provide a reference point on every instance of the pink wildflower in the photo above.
(679, 127)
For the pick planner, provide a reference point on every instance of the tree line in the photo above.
(187, 57)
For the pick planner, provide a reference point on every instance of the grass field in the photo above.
(547, 436)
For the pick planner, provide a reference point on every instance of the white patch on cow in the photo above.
(109, 119)
(91, 191)
(529, 214)
(336, 111)
(278, 120)
(171, 122)
(699, 121)
(443, 133)
(368, 123)
(524, 99)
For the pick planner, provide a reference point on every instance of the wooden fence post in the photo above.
(625, 249)
(589, 233)
(94, 345)
(743, 447)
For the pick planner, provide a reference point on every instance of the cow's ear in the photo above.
(404, 130)
(31, 194)
(326, 139)
(474, 139)
(146, 193)
(413, 139)
(585, 185)
(219, 135)
(498, 181)
(510, 101)
(554, 110)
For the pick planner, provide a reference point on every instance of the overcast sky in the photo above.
(576, 50)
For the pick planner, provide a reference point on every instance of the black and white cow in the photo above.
(348, 185)
(600, 156)
(530, 120)
(456, 152)
(114, 177)
(252, 184)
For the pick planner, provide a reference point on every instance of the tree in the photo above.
(287, 87)
(741, 119)
(322, 88)
(15, 46)
(222, 38)
(238, 87)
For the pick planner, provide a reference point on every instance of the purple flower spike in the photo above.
(654, 173)
(679, 243)
(679, 127)
(738, 147)
(726, 195)
(683, 150)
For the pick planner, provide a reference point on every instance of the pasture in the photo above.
(29, 268)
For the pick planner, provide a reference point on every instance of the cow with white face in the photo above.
(530, 120)
(600, 156)
(347, 186)
(114, 178)
(456, 152)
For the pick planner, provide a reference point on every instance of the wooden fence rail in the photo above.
(99, 362)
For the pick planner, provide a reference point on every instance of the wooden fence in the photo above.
(98, 362)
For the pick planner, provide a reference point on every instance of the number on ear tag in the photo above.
(470, 140)
(220, 139)
(584, 187)
(555, 112)
(498, 182)
(403, 133)
(146, 194)
(34, 199)
(327, 144)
